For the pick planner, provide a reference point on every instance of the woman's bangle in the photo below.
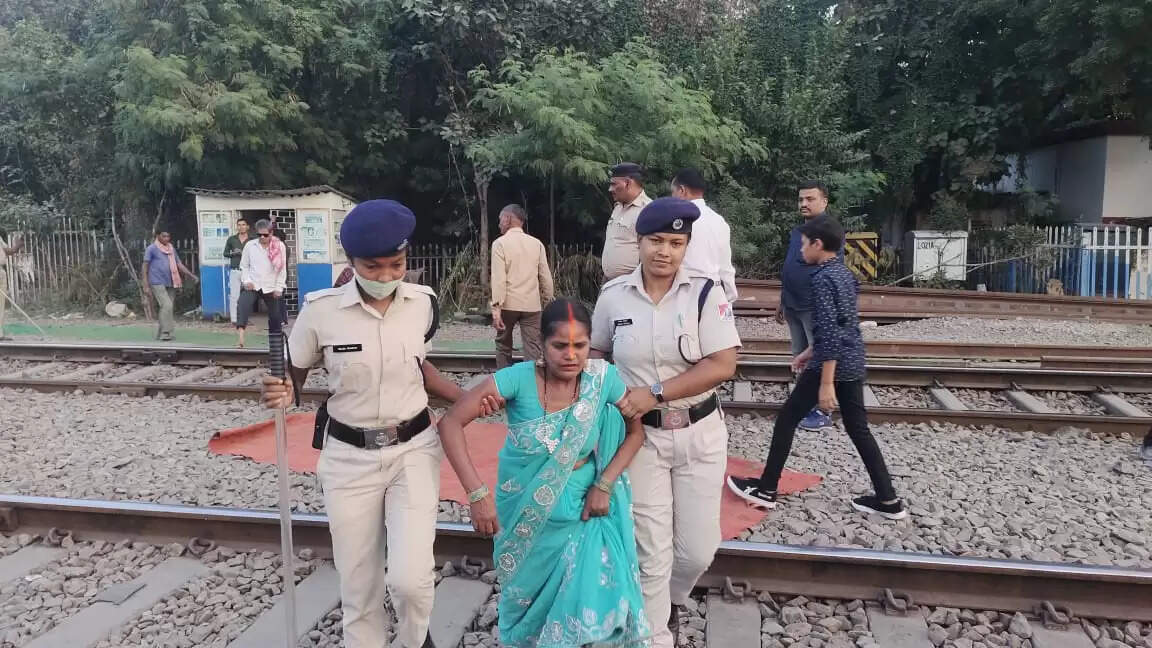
(604, 485)
(478, 494)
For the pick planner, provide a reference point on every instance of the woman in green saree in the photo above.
(564, 549)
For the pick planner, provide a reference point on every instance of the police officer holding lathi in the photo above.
(673, 337)
(380, 464)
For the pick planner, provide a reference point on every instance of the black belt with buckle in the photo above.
(372, 439)
(681, 418)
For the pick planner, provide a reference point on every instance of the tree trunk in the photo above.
(482, 180)
(552, 221)
(126, 259)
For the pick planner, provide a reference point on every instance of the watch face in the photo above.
(657, 389)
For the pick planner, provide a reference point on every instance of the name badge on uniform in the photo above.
(347, 348)
(622, 322)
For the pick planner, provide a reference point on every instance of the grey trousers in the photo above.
(799, 329)
(164, 297)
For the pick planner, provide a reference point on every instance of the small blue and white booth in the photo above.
(307, 220)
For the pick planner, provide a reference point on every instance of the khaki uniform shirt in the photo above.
(652, 343)
(621, 248)
(373, 360)
(520, 272)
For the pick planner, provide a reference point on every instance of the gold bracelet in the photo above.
(604, 485)
(478, 494)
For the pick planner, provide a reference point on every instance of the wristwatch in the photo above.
(658, 391)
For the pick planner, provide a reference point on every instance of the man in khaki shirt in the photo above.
(5, 294)
(520, 275)
(621, 250)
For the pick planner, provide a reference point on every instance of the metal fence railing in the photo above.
(1086, 260)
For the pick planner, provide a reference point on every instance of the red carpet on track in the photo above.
(257, 442)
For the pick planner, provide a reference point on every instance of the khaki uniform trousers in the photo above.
(382, 506)
(3, 298)
(677, 481)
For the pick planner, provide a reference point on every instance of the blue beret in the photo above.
(377, 228)
(671, 215)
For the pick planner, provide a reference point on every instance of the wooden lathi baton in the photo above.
(276, 368)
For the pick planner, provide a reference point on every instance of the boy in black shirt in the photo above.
(831, 373)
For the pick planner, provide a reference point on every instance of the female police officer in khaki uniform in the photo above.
(380, 466)
(674, 339)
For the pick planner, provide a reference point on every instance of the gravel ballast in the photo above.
(1069, 496)
(1074, 495)
(978, 330)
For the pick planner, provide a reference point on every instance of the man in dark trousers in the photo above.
(796, 287)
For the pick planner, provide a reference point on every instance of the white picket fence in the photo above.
(72, 260)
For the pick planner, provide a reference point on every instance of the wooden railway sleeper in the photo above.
(734, 592)
(897, 603)
(1054, 618)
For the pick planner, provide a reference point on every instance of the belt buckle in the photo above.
(380, 438)
(674, 419)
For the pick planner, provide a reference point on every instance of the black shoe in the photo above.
(748, 489)
(872, 504)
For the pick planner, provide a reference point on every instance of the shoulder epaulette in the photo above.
(618, 281)
(320, 294)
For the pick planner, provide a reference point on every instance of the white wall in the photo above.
(1128, 180)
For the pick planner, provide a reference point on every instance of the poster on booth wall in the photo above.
(313, 235)
(215, 228)
(338, 255)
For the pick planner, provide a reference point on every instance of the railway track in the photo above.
(766, 575)
(234, 374)
(890, 304)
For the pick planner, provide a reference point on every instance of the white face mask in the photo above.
(377, 289)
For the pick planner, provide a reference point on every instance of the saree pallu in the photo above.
(566, 582)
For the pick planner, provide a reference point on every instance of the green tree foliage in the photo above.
(904, 107)
(567, 116)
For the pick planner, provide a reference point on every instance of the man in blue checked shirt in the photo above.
(831, 373)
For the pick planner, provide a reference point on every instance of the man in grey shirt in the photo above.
(162, 269)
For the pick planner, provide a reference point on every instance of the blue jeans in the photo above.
(799, 329)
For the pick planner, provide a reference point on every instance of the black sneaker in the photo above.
(872, 504)
(748, 489)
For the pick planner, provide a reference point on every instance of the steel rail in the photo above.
(1072, 373)
(971, 350)
(826, 572)
(894, 303)
(1133, 426)
(1099, 358)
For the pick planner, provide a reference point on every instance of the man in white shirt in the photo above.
(621, 244)
(263, 275)
(710, 249)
